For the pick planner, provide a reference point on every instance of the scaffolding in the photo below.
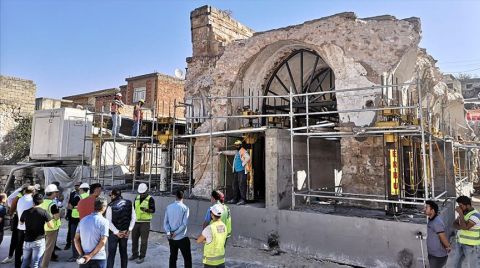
(412, 123)
(418, 128)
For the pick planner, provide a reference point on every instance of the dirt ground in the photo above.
(158, 254)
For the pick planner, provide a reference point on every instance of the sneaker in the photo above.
(133, 257)
(242, 202)
(140, 260)
(232, 201)
(8, 259)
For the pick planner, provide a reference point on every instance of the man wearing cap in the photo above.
(116, 110)
(51, 233)
(144, 206)
(137, 118)
(35, 219)
(25, 202)
(241, 165)
(121, 217)
(86, 206)
(218, 198)
(214, 237)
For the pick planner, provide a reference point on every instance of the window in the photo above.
(469, 86)
(139, 93)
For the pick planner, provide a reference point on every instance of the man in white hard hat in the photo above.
(86, 206)
(214, 237)
(144, 206)
(137, 118)
(51, 232)
(25, 202)
(116, 110)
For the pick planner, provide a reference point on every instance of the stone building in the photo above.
(17, 100)
(329, 54)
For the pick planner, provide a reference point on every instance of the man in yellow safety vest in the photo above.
(144, 206)
(214, 237)
(467, 247)
(226, 218)
(80, 192)
(51, 233)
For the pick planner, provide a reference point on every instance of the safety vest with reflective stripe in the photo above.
(142, 216)
(470, 237)
(214, 252)
(75, 213)
(47, 205)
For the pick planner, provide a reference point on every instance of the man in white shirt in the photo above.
(24, 203)
(121, 217)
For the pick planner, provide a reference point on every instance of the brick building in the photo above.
(158, 90)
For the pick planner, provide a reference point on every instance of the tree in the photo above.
(15, 146)
(465, 76)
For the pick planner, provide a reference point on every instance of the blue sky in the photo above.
(69, 47)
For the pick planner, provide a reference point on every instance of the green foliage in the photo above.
(15, 146)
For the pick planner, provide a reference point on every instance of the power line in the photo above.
(466, 71)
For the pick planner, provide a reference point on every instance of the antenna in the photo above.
(179, 73)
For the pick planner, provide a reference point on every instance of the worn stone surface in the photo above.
(17, 100)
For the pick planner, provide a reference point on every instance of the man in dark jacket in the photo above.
(121, 215)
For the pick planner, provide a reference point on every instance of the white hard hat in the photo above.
(84, 186)
(51, 188)
(118, 94)
(217, 209)
(142, 188)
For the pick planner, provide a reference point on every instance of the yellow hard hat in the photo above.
(238, 142)
(142, 101)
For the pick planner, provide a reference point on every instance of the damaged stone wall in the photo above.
(17, 100)
(361, 52)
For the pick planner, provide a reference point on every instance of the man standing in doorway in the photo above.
(241, 165)
(137, 118)
(51, 233)
(35, 219)
(121, 217)
(467, 248)
(214, 237)
(91, 236)
(144, 208)
(116, 111)
(87, 205)
(175, 225)
(438, 245)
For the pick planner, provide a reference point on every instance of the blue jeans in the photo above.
(94, 264)
(33, 252)
(116, 123)
(464, 256)
(137, 125)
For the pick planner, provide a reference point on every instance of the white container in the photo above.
(59, 134)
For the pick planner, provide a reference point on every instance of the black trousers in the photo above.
(72, 229)
(437, 262)
(240, 186)
(184, 246)
(19, 248)
(68, 239)
(122, 243)
(13, 241)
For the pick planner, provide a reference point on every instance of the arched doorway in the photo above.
(302, 71)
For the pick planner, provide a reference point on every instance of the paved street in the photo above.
(158, 253)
